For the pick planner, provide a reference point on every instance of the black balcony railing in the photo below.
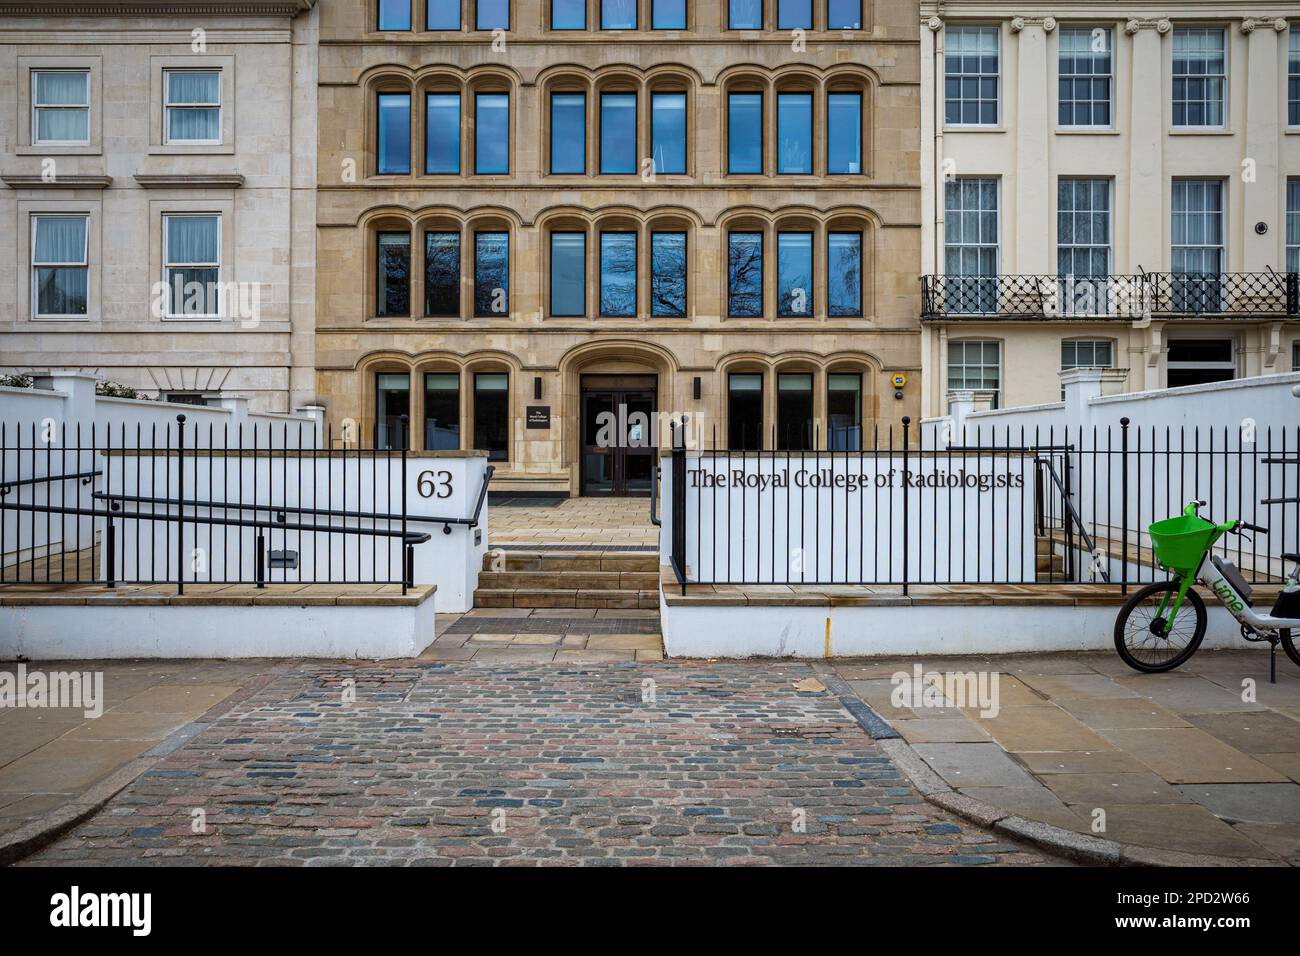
(1147, 294)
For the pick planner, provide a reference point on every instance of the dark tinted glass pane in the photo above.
(441, 412)
(618, 273)
(618, 132)
(491, 274)
(745, 133)
(1200, 350)
(794, 133)
(393, 274)
(669, 15)
(442, 151)
(844, 133)
(442, 273)
(568, 133)
(844, 14)
(668, 122)
(745, 15)
(794, 409)
(492, 134)
(668, 274)
(493, 15)
(394, 14)
(444, 15)
(393, 400)
(794, 15)
(794, 274)
(618, 14)
(844, 412)
(568, 14)
(492, 415)
(568, 273)
(394, 133)
(745, 274)
(744, 412)
(844, 273)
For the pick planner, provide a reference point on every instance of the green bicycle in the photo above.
(1163, 624)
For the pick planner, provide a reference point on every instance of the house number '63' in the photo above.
(434, 484)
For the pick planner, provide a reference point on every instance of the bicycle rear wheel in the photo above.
(1144, 638)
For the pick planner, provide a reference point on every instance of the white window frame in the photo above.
(1227, 72)
(947, 371)
(168, 107)
(1110, 77)
(1291, 230)
(1293, 76)
(167, 266)
(1094, 344)
(997, 100)
(37, 108)
(37, 266)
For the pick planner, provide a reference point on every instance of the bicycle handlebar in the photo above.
(1247, 526)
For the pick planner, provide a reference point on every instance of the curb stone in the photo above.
(1078, 847)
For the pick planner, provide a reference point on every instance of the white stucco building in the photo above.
(157, 212)
(1108, 184)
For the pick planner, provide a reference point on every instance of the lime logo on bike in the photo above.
(1228, 596)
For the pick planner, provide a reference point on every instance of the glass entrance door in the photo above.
(618, 435)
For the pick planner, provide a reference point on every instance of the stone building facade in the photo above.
(158, 202)
(538, 218)
(1113, 185)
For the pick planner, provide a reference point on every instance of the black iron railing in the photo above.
(189, 504)
(990, 505)
(1229, 294)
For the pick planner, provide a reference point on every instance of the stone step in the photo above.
(566, 598)
(568, 580)
(596, 561)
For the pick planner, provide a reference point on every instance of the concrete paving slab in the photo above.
(1128, 713)
(65, 766)
(126, 724)
(1044, 727)
(1035, 802)
(1253, 733)
(1070, 762)
(1248, 802)
(1060, 687)
(1188, 828)
(1189, 755)
(1288, 764)
(974, 765)
(1188, 694)
(193, 699)
(1109, 789)
(1282, 839)
(935, 730)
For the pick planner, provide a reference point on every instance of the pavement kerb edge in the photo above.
(1078, 847)
(19, 844)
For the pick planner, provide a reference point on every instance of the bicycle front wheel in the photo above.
(1288, 642)
(1145, 639)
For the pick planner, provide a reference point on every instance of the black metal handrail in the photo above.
(85, 477)
(1229, 294)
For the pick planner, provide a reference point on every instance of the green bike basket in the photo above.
(1180, 542)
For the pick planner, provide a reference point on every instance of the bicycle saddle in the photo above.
(1291, 556)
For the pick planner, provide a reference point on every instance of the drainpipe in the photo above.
(937, 95)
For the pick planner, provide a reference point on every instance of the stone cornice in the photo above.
(190, 180)
(60, 182)
(57, 8)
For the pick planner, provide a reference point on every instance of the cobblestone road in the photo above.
(470, 763)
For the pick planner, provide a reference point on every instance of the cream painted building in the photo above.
(1108, 184)
(535, 217)
(157, 212)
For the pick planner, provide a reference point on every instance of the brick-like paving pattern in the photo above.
(438, 763)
